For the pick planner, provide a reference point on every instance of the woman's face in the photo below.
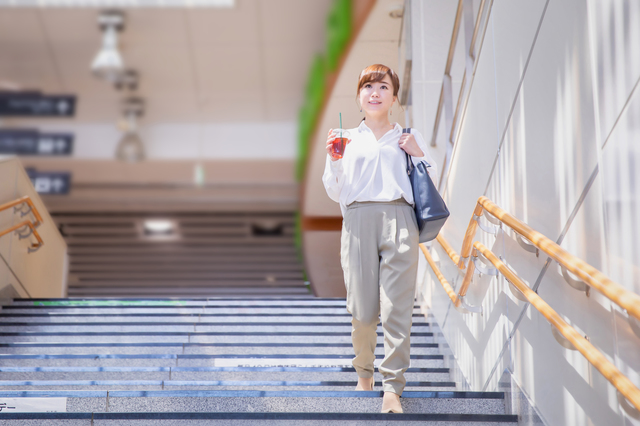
(377, 98)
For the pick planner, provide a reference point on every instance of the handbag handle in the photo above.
(410, 165)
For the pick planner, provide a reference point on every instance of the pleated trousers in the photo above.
(379, 255)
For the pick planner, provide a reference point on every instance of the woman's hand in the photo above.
(409, 144)
(330, 144)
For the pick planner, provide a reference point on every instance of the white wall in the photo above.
(177, 141)
(551, 135)
(39, 274)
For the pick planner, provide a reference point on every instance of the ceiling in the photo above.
(248, 63)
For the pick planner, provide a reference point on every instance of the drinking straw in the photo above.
(340, 126)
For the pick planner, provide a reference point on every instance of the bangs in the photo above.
(377, 73)
(373, 74)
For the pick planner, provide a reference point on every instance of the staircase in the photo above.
(271, 361)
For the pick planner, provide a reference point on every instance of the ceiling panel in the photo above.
(282, 77)
(170, 108)
(70, 27)
(237, 26)
(28, 67)
(234, 108)
(163, 69)
(20, 27)
(285, 21)
(162, 27)
(229, 70)
(283, 107)
(245, 63)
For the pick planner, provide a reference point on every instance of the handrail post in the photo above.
(468, 276)
(468, 236)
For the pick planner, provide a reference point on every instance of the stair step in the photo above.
(261, 401)
(151, 328)
(268, 419)
(163, 373)
(201, 384)
(194, 348)
(198, 301)
(169, 361)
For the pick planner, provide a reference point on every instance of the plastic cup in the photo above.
(339, 140)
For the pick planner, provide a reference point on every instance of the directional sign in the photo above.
(32, 142)
(58, 183)
(35, 104)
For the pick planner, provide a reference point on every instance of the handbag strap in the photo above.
(410, 165)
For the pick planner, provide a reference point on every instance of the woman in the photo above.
(379, 248)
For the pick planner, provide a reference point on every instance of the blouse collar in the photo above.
(364, 128)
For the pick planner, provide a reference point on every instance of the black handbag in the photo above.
(430, 209)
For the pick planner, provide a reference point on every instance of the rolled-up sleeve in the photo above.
(333, 178)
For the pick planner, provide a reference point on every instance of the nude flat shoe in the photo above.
(391, 403)
(359, 388)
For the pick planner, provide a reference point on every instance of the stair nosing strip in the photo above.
(196, 356)
(467, 418)
(180, 345)
(436, 370)
(212, 383)
(248, 394)
(192, 333)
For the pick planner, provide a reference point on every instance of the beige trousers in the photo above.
(379, 254)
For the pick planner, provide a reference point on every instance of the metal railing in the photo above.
(464, 17)
(27, 227)
(534, 242)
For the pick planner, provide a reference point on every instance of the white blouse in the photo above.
(373, 170)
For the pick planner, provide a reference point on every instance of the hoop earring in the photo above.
(390, 112)
(360, 109)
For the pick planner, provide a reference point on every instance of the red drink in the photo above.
(337, 146)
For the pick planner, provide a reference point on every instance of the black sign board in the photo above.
(57, 183)
(32, 142)
(35, 104)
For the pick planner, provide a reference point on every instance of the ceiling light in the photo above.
(130, 148)
(396, 10)
(108, 62)
(158, 226)
(127, 80)
(119, 3)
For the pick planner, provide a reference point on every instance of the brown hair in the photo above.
(375, 74)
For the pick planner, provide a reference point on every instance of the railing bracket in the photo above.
(627, 407)
(493, 230)
(34, 249)
(577, 284)
(563, 341)
(516, 292)
(26, 233)
(482, 268)
(635, 324)
(491, 218)
(527, 245)
(470, 308)
(20, 209)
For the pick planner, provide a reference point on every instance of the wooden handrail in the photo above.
(588, 274)
(445, 284)
(24, 200)
(593, 355)
(32, 225)
(34, 231)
